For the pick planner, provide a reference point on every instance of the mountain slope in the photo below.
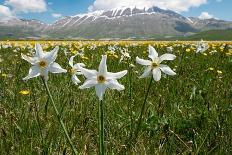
(118, 23)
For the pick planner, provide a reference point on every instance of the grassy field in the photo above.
(189, 113)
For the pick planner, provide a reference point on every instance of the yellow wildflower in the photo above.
(219, 72)
(211, 68)
(24, 92)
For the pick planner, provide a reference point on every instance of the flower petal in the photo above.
(51, 56)
(71, 61)
(88, 73)
(56, 68)
(75, 80)
(167, 70)
(117, 75)
(167, 57)
(152, 53)
(146, 72)
(113, 84)
(100, 90)
(78, 65)
(102, 69)
(156, 74)
(88, 84)
(31, 60)
(34, 71)
(44, 73)
(39, 51)
(143, 62)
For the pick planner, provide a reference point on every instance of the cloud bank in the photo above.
(27, 5)
(205, 15)
(175, 5)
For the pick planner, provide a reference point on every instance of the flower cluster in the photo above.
(44, 62)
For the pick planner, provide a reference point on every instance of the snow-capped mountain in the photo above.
(116, 23)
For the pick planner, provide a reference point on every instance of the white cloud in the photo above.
(56, 15)
(26, 6)
(205, 15)
(175, 5)
(5, 13)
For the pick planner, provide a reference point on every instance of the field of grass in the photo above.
(189, 113)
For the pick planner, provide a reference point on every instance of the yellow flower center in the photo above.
(154, 65)
(42, 64)
(72, 71)
(101, 79)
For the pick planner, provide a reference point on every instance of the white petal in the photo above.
(44, 73)
(146, 72)
(31, 60)
(113, 84)
(152, 53)
(88, 84)
(167, 57)
(117, 75)
(78, 65)
(100, 90)
(143, 62)
(156, 74)
(39, 51)
(88, 73)
(71, 61)
(167, 70)
(51, 56)
(102, 69)
(56, 68)
(34, 71)
(75, 80)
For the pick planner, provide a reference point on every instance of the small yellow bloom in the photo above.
(211, 68)
(4, 75)
(204, 54)
(24, 92)
(187, 50)
(219, 72)
(84, 58)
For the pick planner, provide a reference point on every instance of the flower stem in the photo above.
(59, 118)
(142, 111)
(101, 128)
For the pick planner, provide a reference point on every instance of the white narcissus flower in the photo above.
(125, 55)
(42, 63)
(154, 66)
(202, 47)
(75, 70)
(102, 79)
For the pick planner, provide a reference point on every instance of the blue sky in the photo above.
(50, 10)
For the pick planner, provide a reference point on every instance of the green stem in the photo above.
(59, 118)
(142, 111)
(101, 128)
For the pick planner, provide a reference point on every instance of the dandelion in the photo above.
(24, 92)
(188, 50)
(75, 70)
(42, 63)
(219, 72)
(154, 66)
(211, 68)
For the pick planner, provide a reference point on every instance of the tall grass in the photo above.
(187, 113)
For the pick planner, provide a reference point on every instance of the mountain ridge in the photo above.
(115, 23)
